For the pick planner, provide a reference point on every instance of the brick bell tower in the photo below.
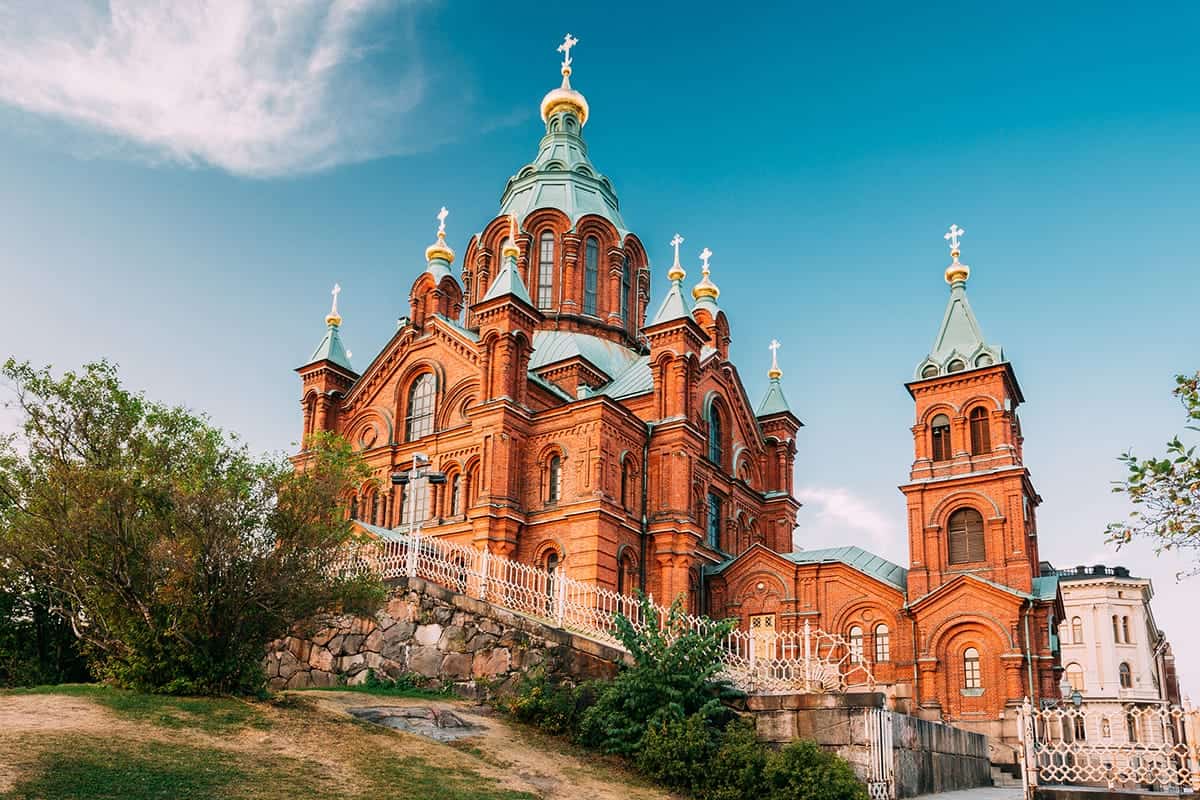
(970, 499)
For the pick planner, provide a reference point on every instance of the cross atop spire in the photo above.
(956, 273)
(676, 272)
(334, 318)
(706, 291)
(705, 255)
(510, 247)
(952, 236)
(441, 218)
(569, 41)
(439, 249)
(775, 372)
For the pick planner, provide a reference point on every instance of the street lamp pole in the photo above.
(418, 477)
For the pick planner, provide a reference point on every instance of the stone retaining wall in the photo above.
(448, 638)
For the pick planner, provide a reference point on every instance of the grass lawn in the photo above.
(94, 742)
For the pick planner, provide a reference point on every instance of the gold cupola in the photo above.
(956, 272)
(564, 98)
(705, 289)
(439, 249)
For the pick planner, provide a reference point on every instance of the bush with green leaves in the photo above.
(551, 705)
(174, 554)
(675, 675)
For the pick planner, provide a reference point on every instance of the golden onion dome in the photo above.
(439, 249)
(705, 288)
(564, 98)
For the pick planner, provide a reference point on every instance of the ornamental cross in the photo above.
(676, 240)
(774, 348)
(336, 291)
(569, 41)
(705, 255)
(953, 236)
(441, 218)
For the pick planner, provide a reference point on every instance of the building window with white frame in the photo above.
(972, 677)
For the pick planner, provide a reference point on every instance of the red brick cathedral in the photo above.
(584, 430)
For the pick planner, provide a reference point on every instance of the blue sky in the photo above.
(180, 188)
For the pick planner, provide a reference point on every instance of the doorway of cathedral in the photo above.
(762, 636)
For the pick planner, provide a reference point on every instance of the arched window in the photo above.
(1116, 630)
(856, 644)
(627, 485)
(930, 371)
(1076, 630)
(456, 503)
(551, 567)
(626, 573)
(591, 274)
(554, 479)
(1075, 677)
(957, 365)
(626, 285)
(415, 508)
(715, 444)
(1126, 675)
(1131, 726)
(471, 487)
(714, 521)
(545, 281)
(1080, 728)
(883, 644)
(354, 507)
(419, 421)
(941, 437)
(966, 536)
(981, 441)
(972, 679)
(1125, 630)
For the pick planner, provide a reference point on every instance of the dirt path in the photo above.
(521, 760)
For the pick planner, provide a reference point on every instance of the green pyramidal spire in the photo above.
(959, 344)
(508, 280)
(331, 348)
(773, 401)
(675, 305)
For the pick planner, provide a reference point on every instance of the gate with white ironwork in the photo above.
(1130, 747)
(881, 773)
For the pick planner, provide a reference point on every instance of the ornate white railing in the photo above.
(1109, 744)
(808, 660)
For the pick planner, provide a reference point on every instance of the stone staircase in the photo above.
(1006, 776)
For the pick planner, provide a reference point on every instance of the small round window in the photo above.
(929, 371)
(955, 366)
(984, 360)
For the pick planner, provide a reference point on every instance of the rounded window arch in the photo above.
(553, 491)
(1075, 676)
(626, 290)
(957, 365)
(629, 484)
(883, 644)
(418, 421)
(855, 639)
(716, 435)
(1126, 675)
(972, 675)
(545, 275)
(591, 273)
(1076, 630)
(984, 360)
(981, 440)
(939, 428)
(964, 533)
(627, 571)
(930, 371)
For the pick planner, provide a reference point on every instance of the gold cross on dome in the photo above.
(441, 218)
(676, 240)
(952, 236)
(337, 289)
(774, 348)
(569, 41)
(705, 255)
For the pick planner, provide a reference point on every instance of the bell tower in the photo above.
(970, 499)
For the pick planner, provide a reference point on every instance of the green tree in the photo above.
(674, 676)
(1166, 491)
(36, 645)
(172, 553)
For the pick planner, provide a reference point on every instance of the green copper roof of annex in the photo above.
(855, 557)
(959, 344)
(562, 176)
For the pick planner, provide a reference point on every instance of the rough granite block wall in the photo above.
(447, 638)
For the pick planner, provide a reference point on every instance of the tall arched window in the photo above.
(714, 521)
(456, 503)
(627, 485)
(551, 567)
(626, 286)
(1125, 630)
(966, 536)
(856, 644)
(1126, 676)
(1131, 726)
(1116, 630)
(1075, 676)
(940, 427)
(626, 573)
(354, 507)
(715, 434)
(545, 282)
(591, 274)
(972, 677)
(883, 644)
(554, 479)
(1076, 630)
(981, 441)
(419, 421)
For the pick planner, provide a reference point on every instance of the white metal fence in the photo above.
(1112, 745)
(881, 776)
(809, 660)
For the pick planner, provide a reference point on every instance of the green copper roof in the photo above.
(674, 306)
(438, 268)
(959, 344)
(855, 557)
(508, 282)
(1045, 587)
(550, 347)
(562, 177)
(331, 349)
(774, 402)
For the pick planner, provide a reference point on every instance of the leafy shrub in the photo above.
(552, 706)
(676, 753)
(673, 677)
(803, 771)
(736, 770)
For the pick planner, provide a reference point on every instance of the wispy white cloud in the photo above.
(255, 87)
(835, 516)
